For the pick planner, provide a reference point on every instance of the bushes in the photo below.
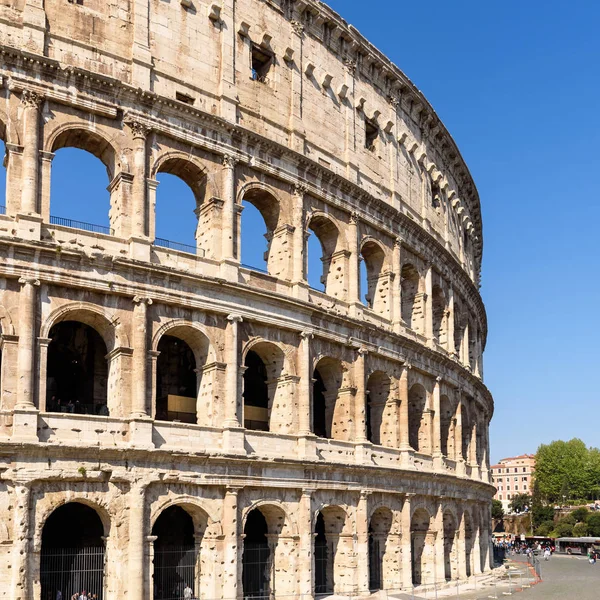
(563, 529)
(545, 528)
(580, 515)
(580, 530)
(593, 524)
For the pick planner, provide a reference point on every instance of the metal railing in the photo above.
(2, 209)
(253, 268)
(64, 222)
(174, 572)
(178, 246)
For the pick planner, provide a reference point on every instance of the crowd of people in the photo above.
(83, 595)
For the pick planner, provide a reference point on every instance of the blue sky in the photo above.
(517, 85)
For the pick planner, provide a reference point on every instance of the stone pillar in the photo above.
(34, 26)
(299, 253)
(353, 266)
(139, 209)
(296, 126)
(476, 542)
(305, 554)
(396, 308)
(233, 434)
(403, 416)
(21, 554)
(450, 337)
(28, 307)
(9, 345)
(436, 446)
(461, 550)
(230, 543)
(227, 90)
(458, 445)
(136, 580)
(31, 152)
(440, 570)
(360, 398)
(362, 543)
(139, 408)
(465, 346)
(406, 543)
(428, 301)
(42, 344)
(307, 447)
(229, 233)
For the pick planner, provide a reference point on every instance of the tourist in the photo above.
(70, 406)
(187, 592)
(84, 596)
(547, 553)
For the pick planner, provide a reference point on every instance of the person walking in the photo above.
(187, 592)
(547, 553)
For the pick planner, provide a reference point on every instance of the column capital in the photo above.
(407, 366)
(354, 218)
(299, 189)
(142, 300)
(233, 490)
(29, 281)
(229, 161)
(306, 493)
(439, 379)
(138, 129)
(297, 27)
(364, 494)
(235, 318)
(397, 242)
(307, 334)
(31, 99)
(362, 351)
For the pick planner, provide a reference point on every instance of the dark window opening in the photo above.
(256, 563)
(371, 134)
(256, 393)
(174, 554)
(184, 98)
(375, 563)
(436, 195)
(319, 403)
(176, 381)
(323, 583)
(261, 64)
(77, 375)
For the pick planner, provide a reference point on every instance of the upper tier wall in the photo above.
(323, 83)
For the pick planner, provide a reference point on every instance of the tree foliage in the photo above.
(593, 524)
(566, 470)
(497, 510)
(520, 502)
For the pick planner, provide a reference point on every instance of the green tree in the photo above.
(520, 502)
(497, 510)
(580, 530)
(563, 530)
(545, 528)
(593, 524)
(580, 515)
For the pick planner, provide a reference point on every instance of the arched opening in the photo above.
(179, 196)
(459, 330)
(440, 327)
(262, 246)
(323, 566)
(412, 309)
(257, 563)
(72, 557)
(83, 168)
(447, 427)
(3, 168)
(322, 247)
(450, 554)
(418, 434)
(175, 555)
(374, 293)
(467, 432)
(380, 572)
(176, 381)
(77, 371)
(472, 347)
(378, 392)
(327, 381)
(256, 393)
(332, 545)
(422, 548)
(469, 539)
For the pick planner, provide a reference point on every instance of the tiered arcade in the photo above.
(158, 400)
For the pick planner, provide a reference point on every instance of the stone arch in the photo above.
(412, 309)
(333, 252)
(331, 400)
(267, 397)
(467, 426)
(440, 316)
(450, 531)
(195, 507)
(419, 433)
(376, 260)
(6, 323)
(379, 424)
(447, 427)
(185, 166)
(278, 518)
(422, 547)
(384, 549)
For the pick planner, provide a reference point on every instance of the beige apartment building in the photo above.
(513, 476)
(170, 417)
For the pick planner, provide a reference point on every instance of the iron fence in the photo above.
(80, 225)
(2, 209)
(375, 571)
(72, 570)
(256, 570)
(174, 571)
(322, 553)
(253, 268)
(178, 246)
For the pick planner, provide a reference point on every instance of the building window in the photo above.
(436, 195)
(261, 61)
(371, 134)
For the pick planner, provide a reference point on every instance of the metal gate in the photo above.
(174, 570)
(72, 570)
(322, 554)
(256, 573)
(375, 560)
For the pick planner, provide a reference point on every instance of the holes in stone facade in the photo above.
(77, 370)
(422, 547)
(417, 419)
(439, 314)
(379, 425)
(450, 547)
(371, 134)
(447, 427)
(412, 309)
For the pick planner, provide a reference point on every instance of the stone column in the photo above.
(139, 408)
(305, 558)
(299, 252)
(136, 583)
(360, 398)
(406, 544)
(20, 550)
(465, 346)
(428, 299)
(476, 542)
(458, 445)
(436, 446)
(362, 543)
(233, 434)
(42, 344)
(461, 550)
(396, 309)
(230, 543)
(9, 345)
(139, 209)
(353, 265)
(31, 151)
(296, 126)
(440, 570)
(229, 233)
(307, 447)
(403, 416)
(28, 307)
(450, 337)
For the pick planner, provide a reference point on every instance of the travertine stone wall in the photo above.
(332, 140)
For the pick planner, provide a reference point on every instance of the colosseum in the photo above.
(174, 423)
